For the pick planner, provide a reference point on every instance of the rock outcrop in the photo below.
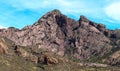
(3, 46)
(38, 58)
(47, 59)
(113, 59)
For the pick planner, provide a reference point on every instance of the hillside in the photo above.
(55, 42)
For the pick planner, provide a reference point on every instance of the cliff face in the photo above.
(56, 32)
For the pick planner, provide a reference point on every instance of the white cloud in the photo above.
(113, 11)
(1, 27)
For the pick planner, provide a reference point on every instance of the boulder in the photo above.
(46, 59)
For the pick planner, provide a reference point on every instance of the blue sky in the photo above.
(19, 13)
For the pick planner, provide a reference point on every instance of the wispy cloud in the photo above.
(113, 11)
(66, 5)
(19, 13)
(1, 27)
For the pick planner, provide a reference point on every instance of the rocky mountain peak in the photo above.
(50, 16)
(55, 12)
(62, 35)
(52, 13)
(83, 21)
(83, 18)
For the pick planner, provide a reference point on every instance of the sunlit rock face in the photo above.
(3, 46)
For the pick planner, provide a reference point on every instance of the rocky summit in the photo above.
(64, 40)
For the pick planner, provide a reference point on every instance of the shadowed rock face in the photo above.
(62, 35)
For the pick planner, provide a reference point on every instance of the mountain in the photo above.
(81, 40)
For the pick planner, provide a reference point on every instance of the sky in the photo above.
(20, 13)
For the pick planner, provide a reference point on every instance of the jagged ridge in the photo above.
(56, 32)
